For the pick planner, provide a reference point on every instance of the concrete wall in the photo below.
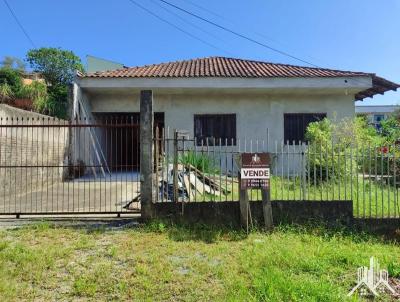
(30, 146)
(228, 213)
(259, 116)
(256, 114)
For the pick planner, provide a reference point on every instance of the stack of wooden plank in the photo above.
(203, 183)
(192, 184)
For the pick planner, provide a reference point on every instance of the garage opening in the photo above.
(120, 139)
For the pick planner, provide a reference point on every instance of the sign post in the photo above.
(255, 173)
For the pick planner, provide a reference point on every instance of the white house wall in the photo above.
(254, 113)
(258, 116)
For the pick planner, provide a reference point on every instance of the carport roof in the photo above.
(239, 68)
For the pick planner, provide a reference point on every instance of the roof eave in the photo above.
(379, 86)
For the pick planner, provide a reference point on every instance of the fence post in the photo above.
(146, 154)
(303, 170)
(243, 198)
(267, 209)
(175, 165)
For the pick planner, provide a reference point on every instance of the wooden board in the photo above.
(189, 190)
(196, 183)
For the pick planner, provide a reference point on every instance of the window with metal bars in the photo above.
(215, 128)
(295, 125)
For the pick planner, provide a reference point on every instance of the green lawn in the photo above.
(370, 198)
(176, 263)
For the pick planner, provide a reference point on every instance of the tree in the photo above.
(12, 78)
(396, 114)
(13, 63)
(57, 66)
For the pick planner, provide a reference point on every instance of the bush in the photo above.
(6, 92)
(34, 91)
(330, 144)
(58, 100)
(390, 130)
(12, 78)
(200, 161)
(51, 101)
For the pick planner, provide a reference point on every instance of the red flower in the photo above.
(384, 149)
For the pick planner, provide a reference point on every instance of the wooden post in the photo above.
(250, 161)
(146, 154)
(267, 209)
(243, 198)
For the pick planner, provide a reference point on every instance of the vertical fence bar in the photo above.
(394, 183)
(175, 168)
(376, 180)
(369, 179)
(351, 173)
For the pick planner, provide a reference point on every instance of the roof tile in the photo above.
(238, 68)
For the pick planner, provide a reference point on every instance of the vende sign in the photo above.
(255, 171)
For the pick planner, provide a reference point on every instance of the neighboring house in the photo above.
(29, 78)
(376, 114)
(230, 99)
(98, 64)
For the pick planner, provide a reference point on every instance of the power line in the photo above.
(173, 25)
(235, 23)
(225, 29)
(242, 35)
(206, 9)
(190, 23)
(19, 23)
(239, 34)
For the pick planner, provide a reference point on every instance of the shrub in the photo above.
(12, 78)
(58, 100)
(34, 91)
(330, 144)
(390, 130)
(6, 92)
(50, 101)
(200, 161)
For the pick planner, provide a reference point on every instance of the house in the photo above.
(97, 64)
(229, 99)
(376, 114)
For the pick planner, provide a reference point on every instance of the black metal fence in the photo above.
(193, 170)
(51, 166)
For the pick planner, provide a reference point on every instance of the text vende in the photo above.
(255, 173)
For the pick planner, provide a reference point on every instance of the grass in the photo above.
(162, 262)
(370, 198)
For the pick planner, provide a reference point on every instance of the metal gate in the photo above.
(84, 166)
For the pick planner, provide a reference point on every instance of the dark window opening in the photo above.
(215, 128)
(121, 145)
(295, 125)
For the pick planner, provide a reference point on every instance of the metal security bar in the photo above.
(84, 166)
(192, 170)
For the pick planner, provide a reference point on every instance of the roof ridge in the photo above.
(291, 65)
(230, 59)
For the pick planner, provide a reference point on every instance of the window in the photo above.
(378, 118)
(295, 125)
(215, 127)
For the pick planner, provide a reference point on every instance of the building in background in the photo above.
(94, 64)
(376, 114)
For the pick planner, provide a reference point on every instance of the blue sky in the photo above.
(359, 35)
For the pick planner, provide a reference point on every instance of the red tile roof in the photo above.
(237, 68)
(221, 67)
